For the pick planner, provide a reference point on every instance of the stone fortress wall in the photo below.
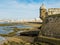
(44, 12)
(52, 11)
(51, 21)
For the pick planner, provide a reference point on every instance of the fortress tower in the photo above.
(43, 12)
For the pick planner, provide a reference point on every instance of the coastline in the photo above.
(12, 37)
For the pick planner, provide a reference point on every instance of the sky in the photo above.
(24, 9)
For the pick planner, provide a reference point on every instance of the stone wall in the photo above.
(52, 11)
(51, 26)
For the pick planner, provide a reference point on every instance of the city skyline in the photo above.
(24, 9)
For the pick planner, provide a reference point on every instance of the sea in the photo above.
(9, 29)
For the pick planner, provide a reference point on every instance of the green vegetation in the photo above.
(41, 40)
(15, 43)
(11, 24)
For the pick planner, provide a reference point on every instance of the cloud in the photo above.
(22, 9)
(11, 9)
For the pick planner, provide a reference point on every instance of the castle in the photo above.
(47, 12)
(51, 21)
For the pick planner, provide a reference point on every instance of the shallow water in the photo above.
(8, 29)
(5, 30)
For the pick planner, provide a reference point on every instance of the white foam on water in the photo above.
(2, 40)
